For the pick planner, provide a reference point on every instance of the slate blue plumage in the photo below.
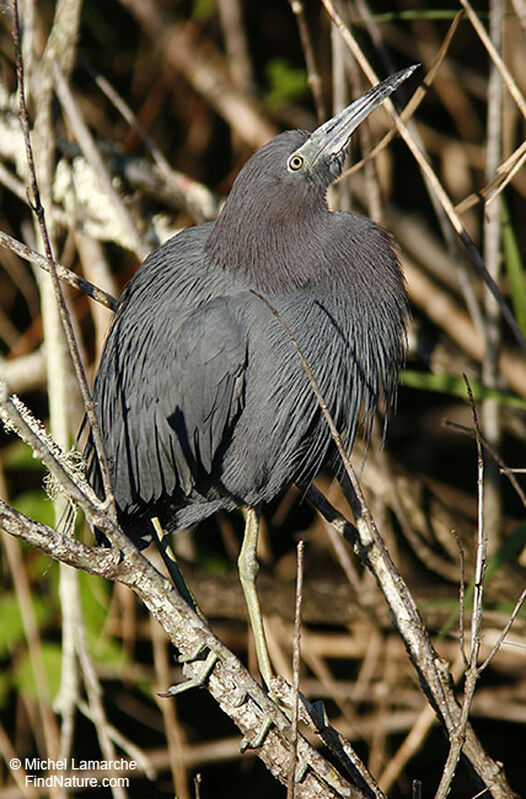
(201, 397)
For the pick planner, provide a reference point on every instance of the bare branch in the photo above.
(63, 273)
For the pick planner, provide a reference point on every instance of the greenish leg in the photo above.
(163, 545)
(248, 569)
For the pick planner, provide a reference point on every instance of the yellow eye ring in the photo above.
(295, 162)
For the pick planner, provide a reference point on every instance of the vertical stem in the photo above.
(340, 98)
(492, 255)
(296, 656)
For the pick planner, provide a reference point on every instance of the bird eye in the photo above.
(295, 162)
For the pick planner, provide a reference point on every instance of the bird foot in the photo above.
(197, 677)
(256, 742)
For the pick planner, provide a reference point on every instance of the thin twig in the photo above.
(94, 158)
(505, 631)
(457, 736)
(505, 172)
(313, 76)
(296, 657)
(461, 599)
(503, 468)
(481, 555)
(63, 273)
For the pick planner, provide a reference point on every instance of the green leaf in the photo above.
(287, 83)
(514, 267)
(11, 628)
(455, 386)
(52, 661)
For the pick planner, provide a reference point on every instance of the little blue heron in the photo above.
(201, 398)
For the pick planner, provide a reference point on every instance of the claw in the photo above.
(256, 742)
(194, 654)
(318, 714)
(196, 678)
(301, 770)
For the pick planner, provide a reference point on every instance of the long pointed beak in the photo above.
(334, 136)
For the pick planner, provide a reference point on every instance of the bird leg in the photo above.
(248, 568)
(163, 545)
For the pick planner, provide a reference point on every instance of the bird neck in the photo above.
(270, 251)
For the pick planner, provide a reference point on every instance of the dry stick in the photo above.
(61, 39)
(503, 468)
(296, 656)
(448, 234)
(368, 544)
(430, 176)
(511, 174)
(19, 774)
(196, 196)
(174, 736)
(313, 76)
(64, 315)
(94, 159)
(506, 75)
(505, 631)
(482, 541)
(94, 695)
(461, 600)
(62, 272)
(343, 72)
(457, 736)
(417, 97)
(506, 171)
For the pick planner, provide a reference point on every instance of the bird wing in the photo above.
(208, 385)
(179, 411)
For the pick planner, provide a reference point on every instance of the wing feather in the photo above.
(168, 398)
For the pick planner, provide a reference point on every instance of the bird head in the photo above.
(321, 156)
(278, 200)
